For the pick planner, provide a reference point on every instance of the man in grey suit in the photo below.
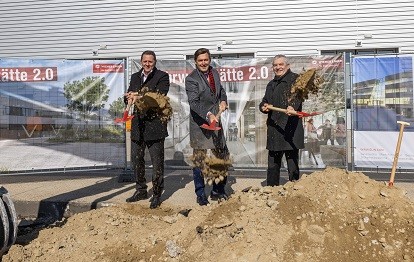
(206, 97)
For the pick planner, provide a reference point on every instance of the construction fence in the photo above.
(59, 114)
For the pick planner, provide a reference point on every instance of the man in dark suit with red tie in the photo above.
(206, 97)
(147, 129)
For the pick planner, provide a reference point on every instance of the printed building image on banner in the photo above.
(58, 114)
(382, 95)
(245, 81)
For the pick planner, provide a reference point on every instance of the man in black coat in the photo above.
(147, 129)
(285, 134)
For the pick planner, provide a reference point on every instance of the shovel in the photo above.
(213, 125)
(297, 113)
(397, 151)
(126, 115)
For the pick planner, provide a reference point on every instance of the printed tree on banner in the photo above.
(87, 95)
(116, 109)
(331, 96)
(333, 93)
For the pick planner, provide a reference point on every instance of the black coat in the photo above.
(283, 132)
(149, 126)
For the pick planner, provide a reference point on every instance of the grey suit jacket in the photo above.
(202, 100)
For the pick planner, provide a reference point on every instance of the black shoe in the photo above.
(155, 202)
(137, 196)
(202, 200)
(218, 196)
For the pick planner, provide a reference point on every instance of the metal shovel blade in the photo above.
(124, 118)
(304, 114)
(212, 126)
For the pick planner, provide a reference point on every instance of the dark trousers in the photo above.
(275, 163)
(199, 157)
(156, 151)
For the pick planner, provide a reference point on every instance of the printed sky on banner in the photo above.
(369, 68)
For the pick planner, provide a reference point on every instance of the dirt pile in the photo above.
(331, 215)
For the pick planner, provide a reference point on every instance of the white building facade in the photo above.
(53, 34)
(174, 29)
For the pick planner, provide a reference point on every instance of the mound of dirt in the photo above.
(329, 215)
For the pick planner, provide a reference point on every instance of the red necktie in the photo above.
(211, 81)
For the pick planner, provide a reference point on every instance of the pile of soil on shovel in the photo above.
(155, 101)
(329, 215)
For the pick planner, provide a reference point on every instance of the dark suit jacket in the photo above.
(149, 126)
(283, 132)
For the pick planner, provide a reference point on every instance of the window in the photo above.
(226, 56)
(361, 51)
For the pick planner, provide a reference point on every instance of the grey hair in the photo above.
(282, 56)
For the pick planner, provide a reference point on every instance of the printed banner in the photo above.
(63, 111)
(372, 150)
(245, 81)
(28, 74)
(58, 114)
(382, 96)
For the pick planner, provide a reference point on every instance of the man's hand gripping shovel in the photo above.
(213, 124)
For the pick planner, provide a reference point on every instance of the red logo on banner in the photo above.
(108, 68)
(28, 74)
(337, 63)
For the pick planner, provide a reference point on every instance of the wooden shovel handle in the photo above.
(278, 109)
(397, 151)
(219, 114)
